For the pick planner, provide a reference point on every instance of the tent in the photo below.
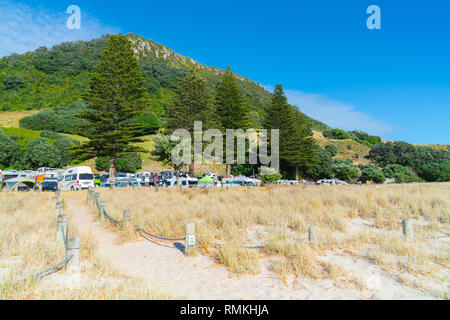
(206, 179)
(19, 184)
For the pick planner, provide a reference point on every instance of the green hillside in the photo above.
(57, 77)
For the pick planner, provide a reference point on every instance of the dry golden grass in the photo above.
(225, 220)
(28, 246)
(11, 119)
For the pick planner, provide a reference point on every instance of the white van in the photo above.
(77, 178)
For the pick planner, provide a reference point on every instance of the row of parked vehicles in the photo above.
(82, 177)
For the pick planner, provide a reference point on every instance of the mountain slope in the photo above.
(47, 78)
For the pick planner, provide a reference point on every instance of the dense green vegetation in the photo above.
(428, 163)
(401, 174)
(131, 163)
(57, 77)
(364, 138)
(371, 172)
(358, 136)
(394, 160)
(25, 149)
(336, 134)
(58, 119)
(116, 95)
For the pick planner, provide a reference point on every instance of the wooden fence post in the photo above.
(102, 209)
(89, 194)
(190, 238)
(73, 249)
(61, 229)
(96, 200)
(59, 207)
(408, 229)
(312, 235)
(126, 215)
(56, 197)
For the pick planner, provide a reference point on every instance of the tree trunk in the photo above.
(177, 177)
(112, 167)
(296, 173)
(192, 169)
(228, 170)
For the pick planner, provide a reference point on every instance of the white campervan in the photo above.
(76, 178)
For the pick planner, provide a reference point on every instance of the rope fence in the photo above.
(313, 232)
(71, 245)
(94, 197)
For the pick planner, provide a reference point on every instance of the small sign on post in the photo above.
(73, 249)
(190, 238)
(126, 215)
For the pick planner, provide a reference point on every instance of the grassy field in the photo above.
(363, 221)
(11, 119)
(347, 148)
(28, 246)
(357, 222)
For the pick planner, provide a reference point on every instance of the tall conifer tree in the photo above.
(302, 150)
(230, 110)
(116, 95)
(279, 115)
(191, 103)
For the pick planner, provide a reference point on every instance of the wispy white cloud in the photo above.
(334, 113)
(24, 28)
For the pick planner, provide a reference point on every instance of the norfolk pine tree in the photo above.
(279, 115)
(303, 152)
(116, 94)
(296, 143)
(230, 112)
(191, 103)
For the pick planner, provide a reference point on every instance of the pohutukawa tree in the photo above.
(116, 95)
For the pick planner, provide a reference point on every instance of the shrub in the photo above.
(243, 169)
(40, 153)
(364, 138)
(58, 119)
(8, 148)
(323, 168)
(269, 175)
(332, 149)
(428, 163)
(401, 174)
(13, 82)
(128, 163)
(345, 171)
(271, 178)
(336, 134)
(372, 172)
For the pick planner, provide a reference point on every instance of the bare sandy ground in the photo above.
(165, 266)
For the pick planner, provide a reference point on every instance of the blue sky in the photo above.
(394, 82)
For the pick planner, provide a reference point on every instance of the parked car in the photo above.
(50, 186)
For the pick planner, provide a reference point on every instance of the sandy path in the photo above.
(200, 278)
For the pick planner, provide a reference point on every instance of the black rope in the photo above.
(46, 272)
